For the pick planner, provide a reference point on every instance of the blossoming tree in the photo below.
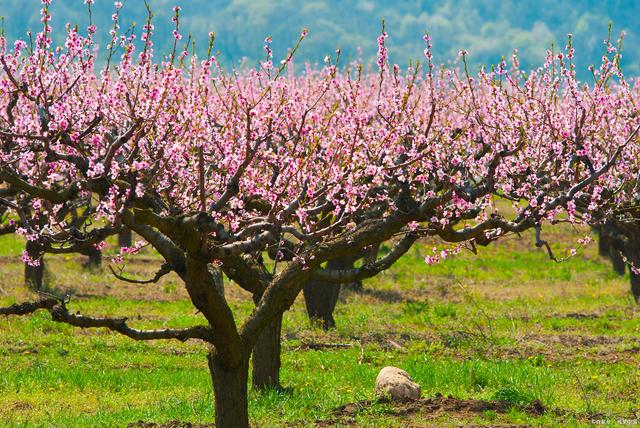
(214, 169)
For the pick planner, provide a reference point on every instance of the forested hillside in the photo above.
(488, 29)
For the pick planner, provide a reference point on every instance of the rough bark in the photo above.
(95, 257)
(604, 241)
(230, 392)
(635, 286)
(632, 252)
(613, 243)
(266, 357)
(321, 297)
(33, 275)
(124, 237)
(320, 300)
(615, 253)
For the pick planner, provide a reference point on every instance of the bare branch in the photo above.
(164, 270)
(29, 307)
(59, 313)
(367, 270)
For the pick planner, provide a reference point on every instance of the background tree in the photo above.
(611, 244)
(487, 31)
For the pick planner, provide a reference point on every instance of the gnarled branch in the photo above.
(164, 270)
(367, 270)
(59, 313)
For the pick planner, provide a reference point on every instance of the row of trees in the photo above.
(620, 242)
(282, 181)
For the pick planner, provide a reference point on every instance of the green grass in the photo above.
(507, 324)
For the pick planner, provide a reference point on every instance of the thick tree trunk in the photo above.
(95, 257)
(230, 392)
(266, 357)
(124, 237)
(33, 275)
(321, 297)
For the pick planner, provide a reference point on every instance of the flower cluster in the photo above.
(273, 156)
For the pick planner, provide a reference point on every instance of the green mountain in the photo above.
(488, 29)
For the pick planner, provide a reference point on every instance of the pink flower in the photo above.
(29, 261)
(382, 51)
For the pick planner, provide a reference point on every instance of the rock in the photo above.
(397, 385)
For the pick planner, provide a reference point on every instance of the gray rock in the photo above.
(396, 384)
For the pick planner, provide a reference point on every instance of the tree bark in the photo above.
(95, 257)
(604, 241)
(266, 357)
(635, 285)
(320, 299)
(615, 253)
(632, 252)
(124, 237)
(614, 243)
(33, 275)
(230, 392)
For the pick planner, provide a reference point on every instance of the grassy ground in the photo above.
(506, 325)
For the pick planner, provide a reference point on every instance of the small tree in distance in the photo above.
(214, 169)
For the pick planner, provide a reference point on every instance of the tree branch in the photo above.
(29, 307)
(39, 192)
(367, 270)
(59, 313)
(164, 270)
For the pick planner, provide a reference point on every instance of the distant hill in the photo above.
(488, 29)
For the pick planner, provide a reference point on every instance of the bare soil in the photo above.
(429, 407)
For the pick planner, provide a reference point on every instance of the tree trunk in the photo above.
(635, 285)
(95, 257)
(124, 237)
(632, 252)
(321, 297)
(230, 392)
(604, 241)
(33, 275)
(266, 357)
(615, 253)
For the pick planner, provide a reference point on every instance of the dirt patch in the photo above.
(21, 406)
(331, 340)
(170, 424)
(450, 405)
(459, 345)
(576, 340)
(611, 349)
(431, 407)
(376, 295)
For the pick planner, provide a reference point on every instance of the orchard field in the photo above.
(505, 337)
(452, 203)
